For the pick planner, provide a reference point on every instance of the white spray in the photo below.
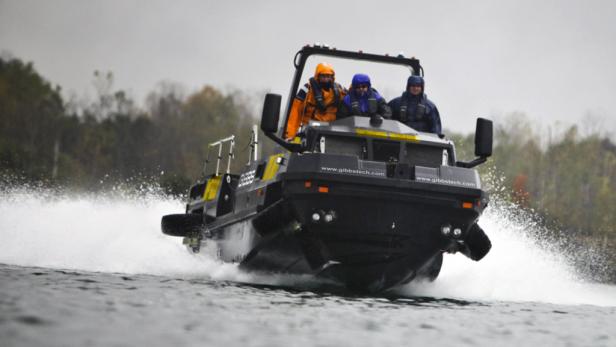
(122, 234)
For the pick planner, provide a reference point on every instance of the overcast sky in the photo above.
(553, 60)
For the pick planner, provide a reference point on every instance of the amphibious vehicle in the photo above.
(369, 203)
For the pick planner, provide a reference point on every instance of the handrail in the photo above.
(254, 145)
(219, 143)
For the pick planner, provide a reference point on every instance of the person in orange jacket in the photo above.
(316, 100)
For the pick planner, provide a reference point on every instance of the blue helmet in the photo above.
(415, 81)
(359, 79)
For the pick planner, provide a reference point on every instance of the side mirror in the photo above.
(483, 138)
(269, 122)
(271, 113)
(483, 144)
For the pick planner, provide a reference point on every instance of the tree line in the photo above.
(110, 141)
(567, 178)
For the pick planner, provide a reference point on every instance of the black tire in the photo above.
(477, 243)
(181, 224)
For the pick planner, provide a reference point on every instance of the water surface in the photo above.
(92, 271)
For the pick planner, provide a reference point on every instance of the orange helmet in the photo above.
(324, 68)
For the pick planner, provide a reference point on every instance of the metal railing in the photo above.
(254, 145)
(253, 155)
(219, 143)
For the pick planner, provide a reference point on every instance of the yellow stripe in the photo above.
(272, 167)
(387, 135)
(404, 137)
(371, 133)
(212, 188)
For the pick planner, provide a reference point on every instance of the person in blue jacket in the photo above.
(414, 108)
(363, 100)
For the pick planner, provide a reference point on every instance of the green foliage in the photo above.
(30, 114)
(567, 178)
(111, 141)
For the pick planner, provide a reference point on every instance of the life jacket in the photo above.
(420, 111)
(321, 104)
(314, 103)
(356, 105)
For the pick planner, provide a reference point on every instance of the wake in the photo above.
(121, 233)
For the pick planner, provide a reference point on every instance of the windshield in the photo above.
(388, 79)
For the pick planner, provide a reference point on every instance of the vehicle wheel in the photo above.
(477, 243)
(181, 224)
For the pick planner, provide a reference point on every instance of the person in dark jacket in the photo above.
(414, 108)
(363, 100)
